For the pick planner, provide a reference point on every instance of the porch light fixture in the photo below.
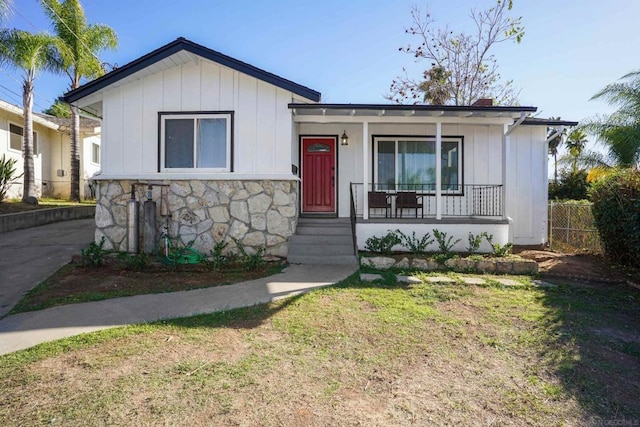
(344, 139)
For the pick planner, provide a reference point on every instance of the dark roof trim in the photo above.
(403, 107)
(533, 121)
(184, 44)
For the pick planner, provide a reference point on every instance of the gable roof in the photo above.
(65, 124)
(182, 44)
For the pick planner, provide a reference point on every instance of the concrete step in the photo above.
(323, 259)
(317, 249)
(325, 221)
(322, 231)
(316, 239)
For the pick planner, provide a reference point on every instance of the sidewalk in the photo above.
(25, 330)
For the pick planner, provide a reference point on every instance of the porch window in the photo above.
(404, 163)
(191, 141)
(15, 139)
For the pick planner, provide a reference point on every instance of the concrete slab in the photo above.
(30, 255)
(440, 279)
(28, 329)
(543, 284)
(412, 280)
(473, 280)
(370, 277)
(506, 281)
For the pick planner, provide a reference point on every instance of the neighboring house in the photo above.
(52, 151)
(232, 151)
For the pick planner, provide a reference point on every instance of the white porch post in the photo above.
(438, 170)
(365, 170)
(506, 139)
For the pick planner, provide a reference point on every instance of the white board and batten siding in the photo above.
(528, 185)
(262, 130)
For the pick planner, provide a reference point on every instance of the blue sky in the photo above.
(348, 49)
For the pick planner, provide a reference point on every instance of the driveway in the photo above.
(29, 256)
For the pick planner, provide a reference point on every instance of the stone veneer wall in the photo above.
(259, 213)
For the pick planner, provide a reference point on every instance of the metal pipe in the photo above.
(133, 227)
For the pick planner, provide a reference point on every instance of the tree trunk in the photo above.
(75, 155)
(29, 190)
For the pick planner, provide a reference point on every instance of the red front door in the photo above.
(318, 174)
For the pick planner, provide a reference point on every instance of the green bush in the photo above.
(93, 255)
(571, 185)
(383, 244)
(616, 212)
(7, 175)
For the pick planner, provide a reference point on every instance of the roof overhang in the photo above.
(343, 113)
(20, 112)
(178, 52)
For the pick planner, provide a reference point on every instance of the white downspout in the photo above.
(365, 170)
(438, 170)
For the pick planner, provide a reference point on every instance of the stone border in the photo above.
(459, 265)
(35, 218)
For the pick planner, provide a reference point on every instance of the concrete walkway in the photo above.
(28, 329)
(29, 256)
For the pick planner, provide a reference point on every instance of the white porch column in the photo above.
(365, 170)
(506, 142)
(438, 170)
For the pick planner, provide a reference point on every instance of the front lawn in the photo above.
(354, 354)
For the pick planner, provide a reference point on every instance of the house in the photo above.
(52, 156)
(230, 151)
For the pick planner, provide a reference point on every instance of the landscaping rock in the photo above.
(525, 266)
(425, 264)
(403, 263)
(504, 266)
(379, 262)
(486, 266)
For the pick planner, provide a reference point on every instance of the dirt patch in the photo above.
(75, 283)
(576, 267)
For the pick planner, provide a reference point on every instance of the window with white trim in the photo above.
(15, 138)
(409, 163)
(95, 153)
(195, 141)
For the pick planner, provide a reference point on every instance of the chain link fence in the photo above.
(571, 227)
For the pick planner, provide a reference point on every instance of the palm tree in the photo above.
(575, 143)
(554, 146)
(5, 6)
(78, 46)
(620, 131)
(30, 53)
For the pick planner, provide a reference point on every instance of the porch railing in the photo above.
(465, 200)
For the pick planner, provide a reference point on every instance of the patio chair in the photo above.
(409, 200)
(379, 200)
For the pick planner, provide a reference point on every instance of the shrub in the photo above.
(616, 213)
(445, 242)
(7, 175)
(414, 244)
(571, 185)
(383, 244)
(475, 241)
(93, 255)
(216, 258)
(250, 261)
(498, 249)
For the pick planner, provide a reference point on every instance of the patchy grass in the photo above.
(356, 353)
(74, 283)
(16, 206)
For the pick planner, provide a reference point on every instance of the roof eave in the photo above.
(184, 44)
